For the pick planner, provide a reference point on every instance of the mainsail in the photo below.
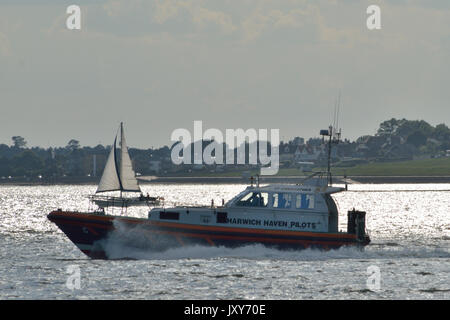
(118, 174)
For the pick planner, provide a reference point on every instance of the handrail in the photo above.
(320, 174)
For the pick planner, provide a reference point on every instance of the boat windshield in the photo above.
(254, 199)
(282, 200)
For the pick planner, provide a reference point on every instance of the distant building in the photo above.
(307, 153)
(298, 141)
(285, 149)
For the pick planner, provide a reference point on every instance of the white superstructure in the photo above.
(303, 207)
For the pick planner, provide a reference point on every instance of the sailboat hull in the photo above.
(121, 202)
(98, 235)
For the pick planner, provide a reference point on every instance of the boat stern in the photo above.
(356, 225)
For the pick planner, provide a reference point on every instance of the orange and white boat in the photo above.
(294, 216)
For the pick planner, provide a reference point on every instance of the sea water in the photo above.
(409, 257)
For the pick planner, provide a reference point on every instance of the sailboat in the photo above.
(118, 175)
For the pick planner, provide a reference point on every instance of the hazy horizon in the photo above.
(282, 140)
(160, 65)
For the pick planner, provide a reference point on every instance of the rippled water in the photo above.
(409, 226)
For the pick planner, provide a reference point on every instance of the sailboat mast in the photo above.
(117, 167)
(127, 176)
(121, 153)
(118, 174)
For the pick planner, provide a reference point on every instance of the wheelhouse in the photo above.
(299, 199)
(276, 199)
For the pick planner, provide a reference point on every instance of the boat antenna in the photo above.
(335, 113)
(338, 109)
(333, 137)
(345, 180)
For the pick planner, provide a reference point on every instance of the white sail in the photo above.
(110, 180)
(127, 176)
(118, 174)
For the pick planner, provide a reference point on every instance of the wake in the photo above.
(127, 242)
(260, 252)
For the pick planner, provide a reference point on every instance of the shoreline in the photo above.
(297, 179)
(238, 180)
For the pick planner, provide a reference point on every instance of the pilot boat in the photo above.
(296, 216)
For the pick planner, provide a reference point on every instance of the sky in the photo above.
(161, 65)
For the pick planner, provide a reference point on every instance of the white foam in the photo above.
(135, 242)
(259, 252)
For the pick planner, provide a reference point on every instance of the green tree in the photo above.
(441, 132)
(390, 127)
(27, 163)
(411, 127)
(5, 167)
(18, 141)
(73, 145)
(417, 139)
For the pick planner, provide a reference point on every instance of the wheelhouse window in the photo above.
(254, 199)
(281, 200)
(304, 201)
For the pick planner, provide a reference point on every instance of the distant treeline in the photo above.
(395, 139)
(70, 161)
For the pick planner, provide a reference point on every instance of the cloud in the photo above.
(165, 10)
(203, 17)
(243, 22)
(7, 30)
(254, 25)
(117, 8)
(219, 61)
(5, 47)
(268, 20)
